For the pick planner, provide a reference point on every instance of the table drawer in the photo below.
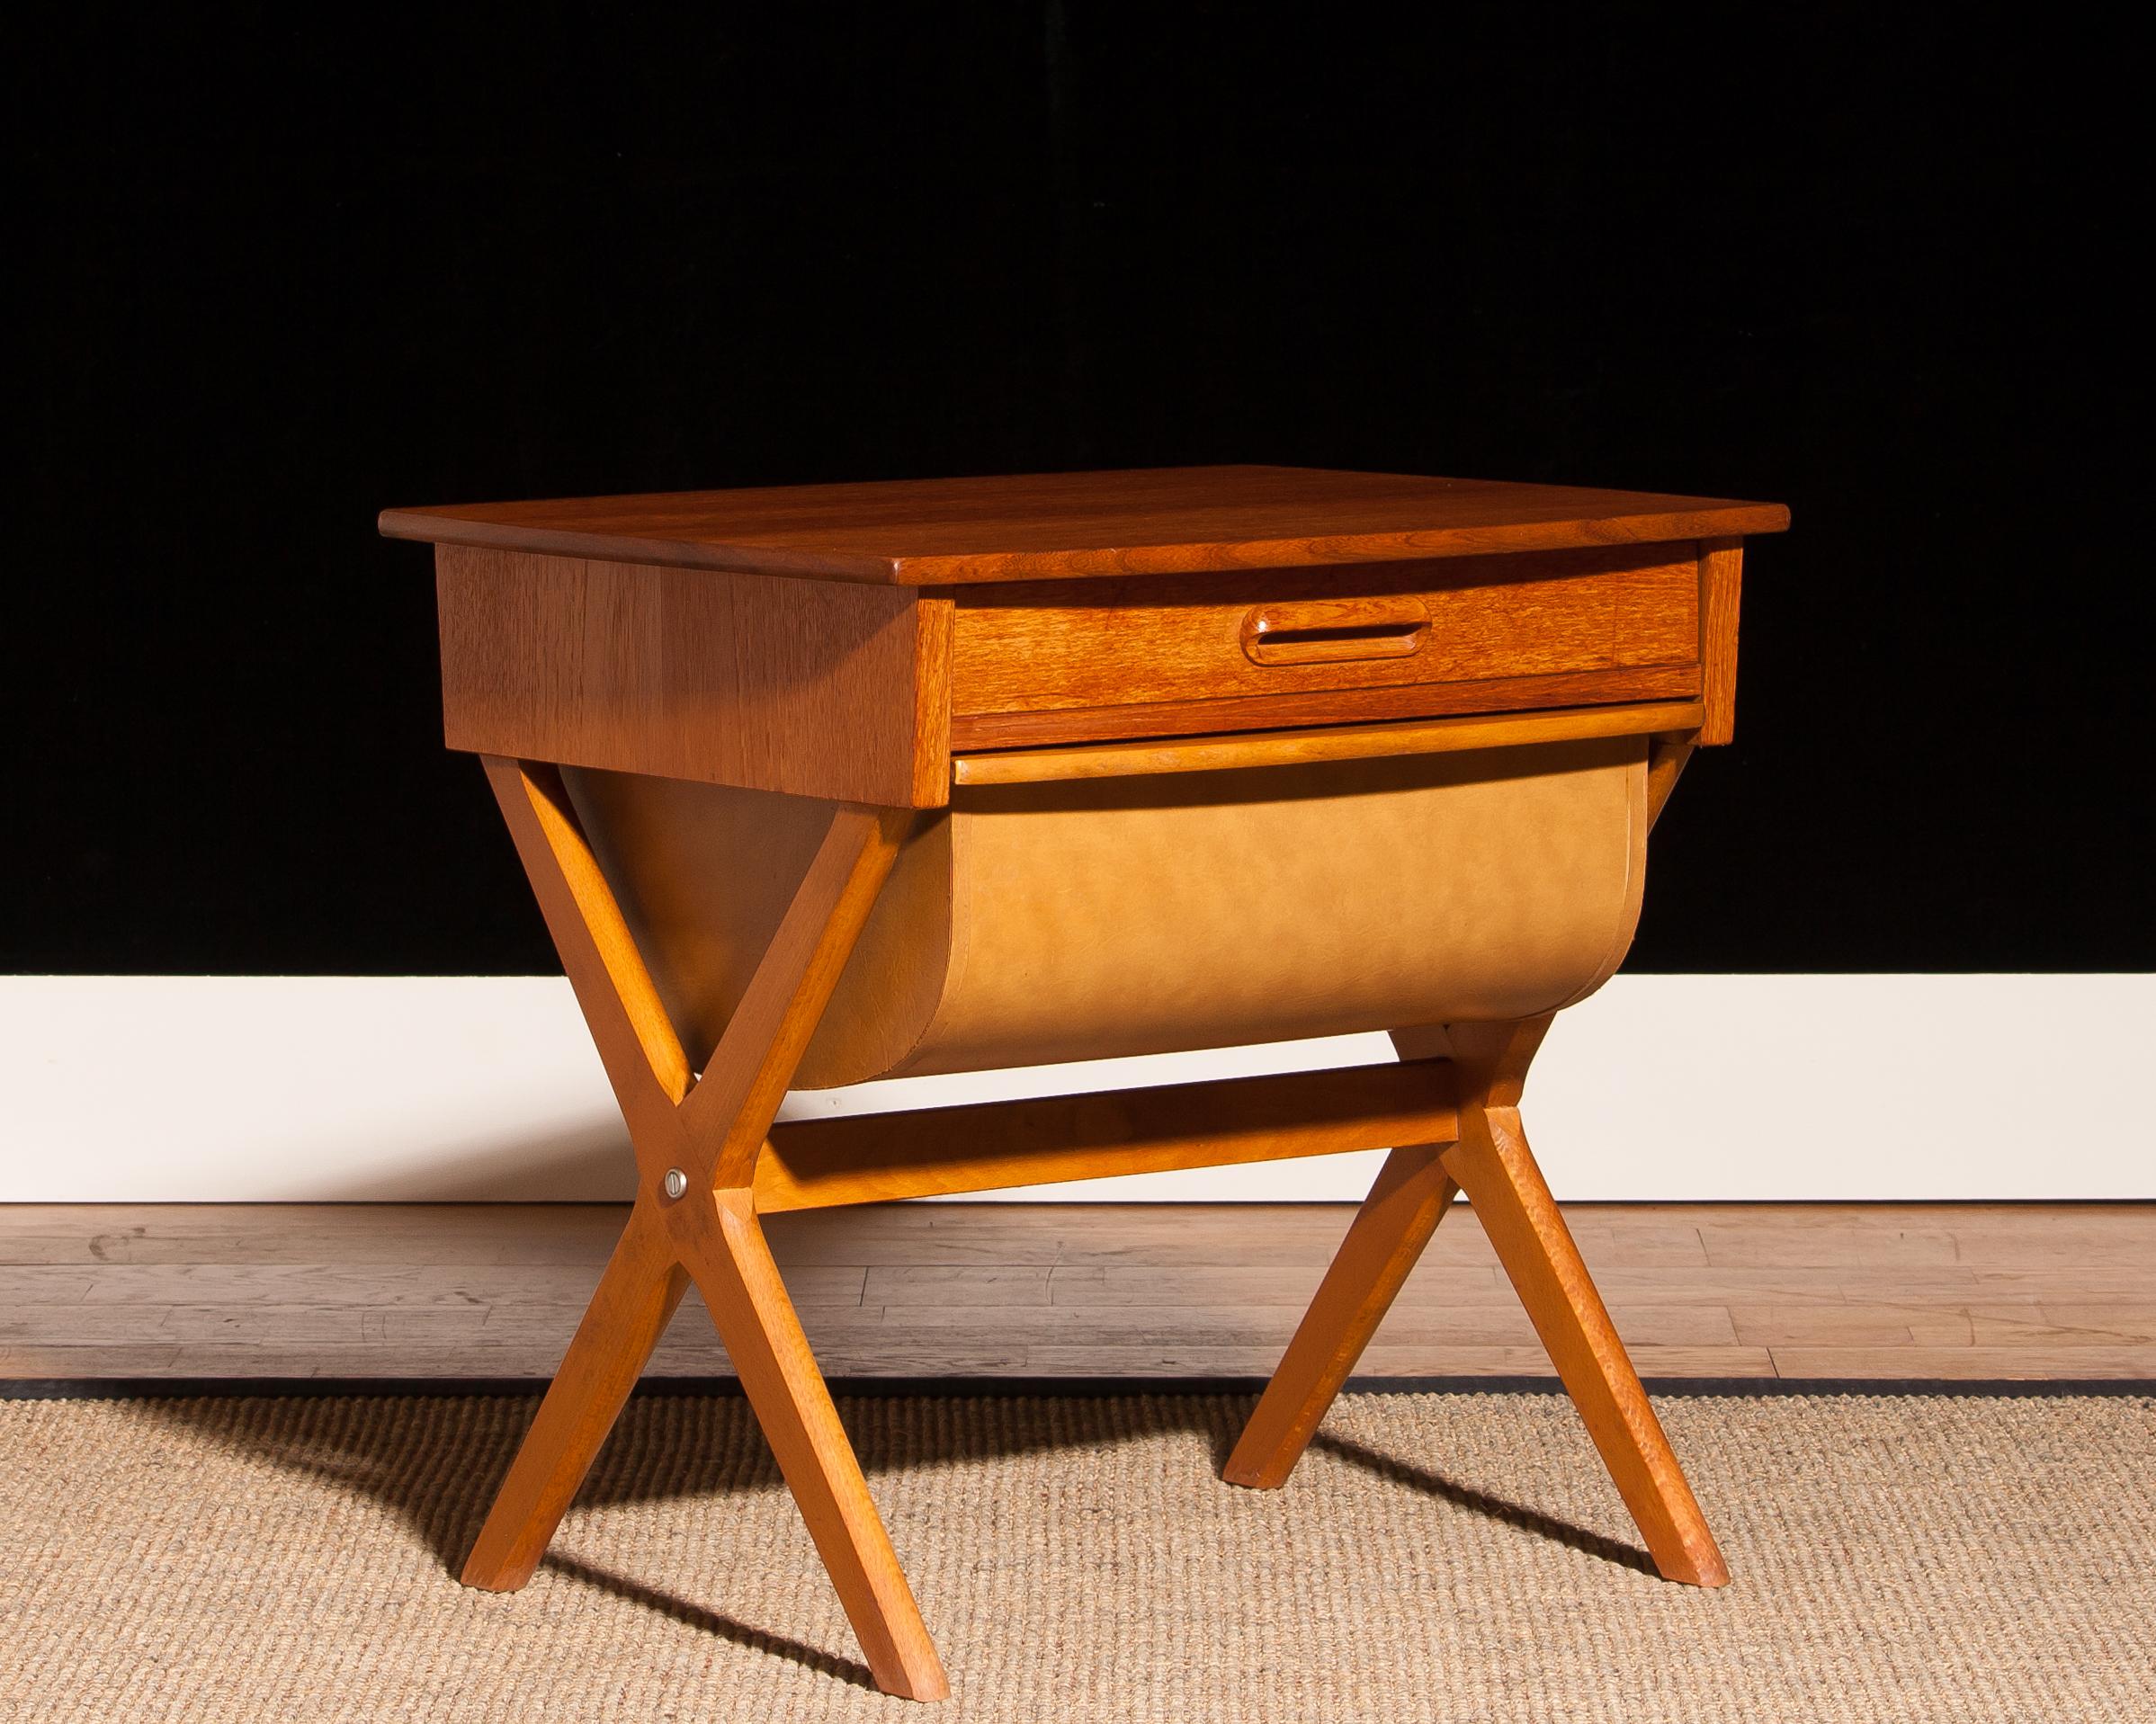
(1117, 657)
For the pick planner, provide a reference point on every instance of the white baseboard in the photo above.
(233, 1089)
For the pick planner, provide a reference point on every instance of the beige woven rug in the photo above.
(1437, 1557)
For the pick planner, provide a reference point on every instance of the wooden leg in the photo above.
(1666, 759)
(1410, 1198)
(733, 1266)
(1493, 1165)
(636, 1301)
(697, 1142)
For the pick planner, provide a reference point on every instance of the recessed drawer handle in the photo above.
(1321, 631)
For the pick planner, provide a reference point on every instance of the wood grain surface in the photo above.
(636, 1300)
(812, 687)
(1493, 1165)
(683, 1229)
(984, 731)
(1059, 526)
(1879, 1291)
(726, 1117)
(1721, 585)
(1329, 742)
(756, 1318)
(1407, 1200)
(1037, 647)
(991, 1144)
(636, 1041)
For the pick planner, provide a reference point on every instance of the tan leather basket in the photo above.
(1030, 924)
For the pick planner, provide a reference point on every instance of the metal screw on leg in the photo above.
(675, 1181)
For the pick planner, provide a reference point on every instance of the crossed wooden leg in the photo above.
(696, 1142)
(1492, 1164)
(636, 1301)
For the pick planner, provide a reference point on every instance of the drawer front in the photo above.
(1070, 661)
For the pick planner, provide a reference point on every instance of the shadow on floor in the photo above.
(1480, 1502)
(438, 1460)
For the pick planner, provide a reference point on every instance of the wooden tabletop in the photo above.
(1054, 526)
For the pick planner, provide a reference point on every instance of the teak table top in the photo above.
(1054, 526)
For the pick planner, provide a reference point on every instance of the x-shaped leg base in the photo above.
(1492, 1164)
(694, 1218)
(698, 1140)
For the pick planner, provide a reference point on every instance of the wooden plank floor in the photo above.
(1810, 1290)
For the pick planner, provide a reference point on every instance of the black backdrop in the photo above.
(286, 266)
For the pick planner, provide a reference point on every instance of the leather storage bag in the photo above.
(1032, 923)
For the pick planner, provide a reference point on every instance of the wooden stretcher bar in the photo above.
(927, 1152)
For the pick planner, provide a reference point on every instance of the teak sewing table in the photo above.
(824, 784)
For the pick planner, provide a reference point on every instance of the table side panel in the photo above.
(818, 688)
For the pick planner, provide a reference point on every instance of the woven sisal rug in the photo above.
(1437, 1557)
